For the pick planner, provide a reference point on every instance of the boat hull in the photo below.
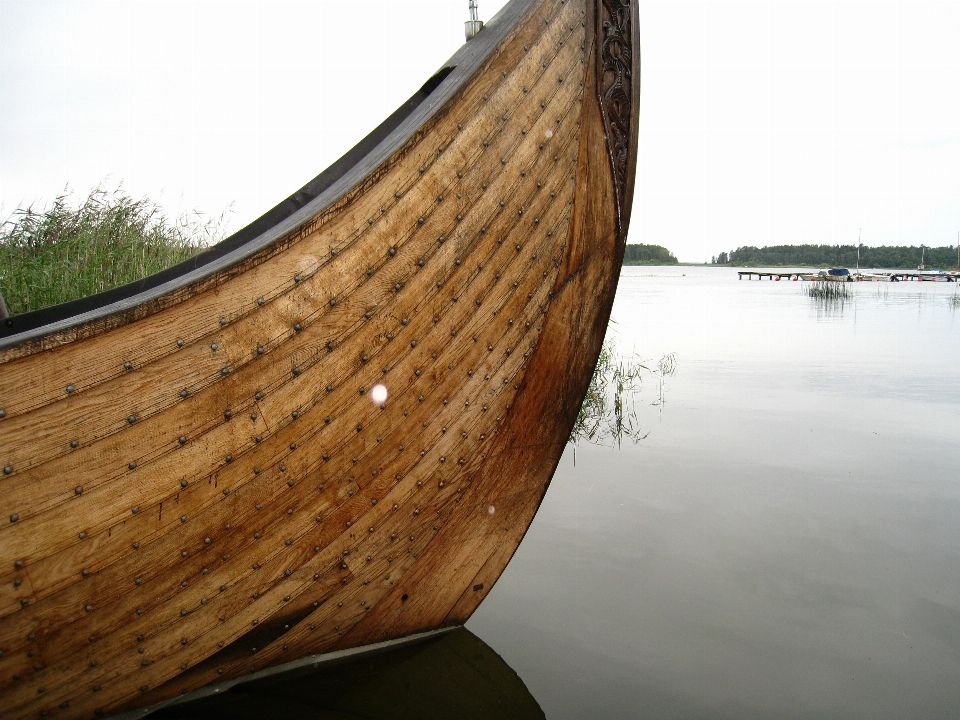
(337, 432)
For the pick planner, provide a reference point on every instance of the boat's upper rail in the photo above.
(301, 206)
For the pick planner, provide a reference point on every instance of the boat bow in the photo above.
(335, 428)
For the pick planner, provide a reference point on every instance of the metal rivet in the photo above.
(85, 572)
(74, 443)
(223, 321)
(70, 388)
(132, 465)
(131, 419)
(179, 342)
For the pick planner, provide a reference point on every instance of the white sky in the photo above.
(761, 122)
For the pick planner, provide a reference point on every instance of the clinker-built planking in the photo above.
(199, 480)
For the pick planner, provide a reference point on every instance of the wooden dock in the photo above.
(922, 277)
(874, 277)
(768, 275)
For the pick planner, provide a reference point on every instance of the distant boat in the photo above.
(333, 428)
(835, 275)
(875, 277)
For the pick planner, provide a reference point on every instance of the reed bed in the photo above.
(827, 290)
(71, 250)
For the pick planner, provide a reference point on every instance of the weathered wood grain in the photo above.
(202, 484)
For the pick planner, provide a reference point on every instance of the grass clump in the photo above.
(608, 413)
(827, 290)
(68, 251)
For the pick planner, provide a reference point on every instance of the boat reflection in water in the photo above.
(454, 675)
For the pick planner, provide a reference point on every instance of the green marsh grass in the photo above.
(827, 290)
(608, 414)
(71, 250)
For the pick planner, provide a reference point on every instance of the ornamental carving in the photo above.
(615, 88)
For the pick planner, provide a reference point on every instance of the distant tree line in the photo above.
(893, 256)
(648, 255)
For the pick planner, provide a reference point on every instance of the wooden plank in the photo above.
(471, 273)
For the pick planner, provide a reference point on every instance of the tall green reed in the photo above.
(67, 251)
(608, 414)
(827, 290)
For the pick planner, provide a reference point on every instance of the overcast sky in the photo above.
(761, 122)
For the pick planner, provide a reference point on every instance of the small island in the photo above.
(641, 254)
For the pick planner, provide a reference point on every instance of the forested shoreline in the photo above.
(641, 254)
(890, 256)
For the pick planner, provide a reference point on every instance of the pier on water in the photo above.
(853, 277)
(768, 275)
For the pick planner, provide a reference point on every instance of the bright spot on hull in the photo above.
(378, 393)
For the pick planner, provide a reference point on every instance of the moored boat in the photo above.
(333, 428)
(835, 275)
(831, 275)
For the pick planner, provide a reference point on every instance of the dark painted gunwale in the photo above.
(300, 207)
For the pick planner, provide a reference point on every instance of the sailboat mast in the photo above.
(859, 235)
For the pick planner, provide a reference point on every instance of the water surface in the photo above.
(784, 543)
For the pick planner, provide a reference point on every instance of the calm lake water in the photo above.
(784, 542)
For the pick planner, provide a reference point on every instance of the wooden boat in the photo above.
(333, 428)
